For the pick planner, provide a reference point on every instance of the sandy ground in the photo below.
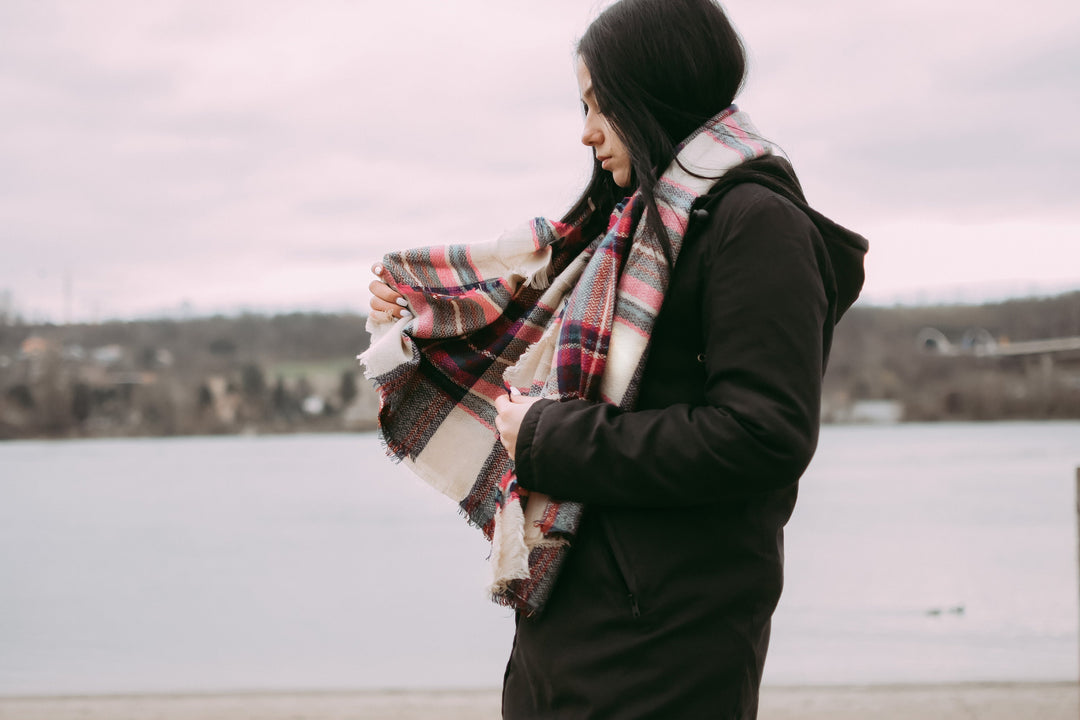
(907, 702)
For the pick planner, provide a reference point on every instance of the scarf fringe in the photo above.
(539, 280)
(509, 554)
(535, 270)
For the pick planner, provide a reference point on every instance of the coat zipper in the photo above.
(622, 567)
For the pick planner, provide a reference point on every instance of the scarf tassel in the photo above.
(535, 270)
(540, 279)
(509, 554)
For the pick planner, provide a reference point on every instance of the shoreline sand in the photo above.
(986, 701)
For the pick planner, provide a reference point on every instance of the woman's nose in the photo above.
(591, 135)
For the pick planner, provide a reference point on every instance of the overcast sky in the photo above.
(230, 154)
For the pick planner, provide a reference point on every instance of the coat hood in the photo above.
(846, 249)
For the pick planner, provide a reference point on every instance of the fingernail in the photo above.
(406, 314)
(377, 268)
(402, 302)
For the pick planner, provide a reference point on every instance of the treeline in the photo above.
(298, 372)
(877, 356)
(251, 373)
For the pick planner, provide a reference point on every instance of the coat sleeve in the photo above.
(763, 316)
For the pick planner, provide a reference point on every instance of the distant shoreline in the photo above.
(1014, 360)
(985, 700)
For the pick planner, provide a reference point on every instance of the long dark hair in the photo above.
(660, 69)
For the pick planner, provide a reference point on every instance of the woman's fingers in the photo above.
(385, 298)
(511, 410)
(504, 424)
(380, 305)
(386, 293)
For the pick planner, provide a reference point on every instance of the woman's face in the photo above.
(599, 134)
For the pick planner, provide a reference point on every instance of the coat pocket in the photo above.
(623, 567)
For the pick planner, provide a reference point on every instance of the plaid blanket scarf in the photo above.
(547, 312)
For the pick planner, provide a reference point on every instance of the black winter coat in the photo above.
(662, 608)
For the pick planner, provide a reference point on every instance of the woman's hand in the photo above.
(511, 409)
(384, 298)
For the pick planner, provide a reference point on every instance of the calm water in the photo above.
(310, 562)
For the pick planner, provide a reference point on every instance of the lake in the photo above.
(917, 553)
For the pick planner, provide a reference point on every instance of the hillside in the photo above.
(298, 372)
(877, 356)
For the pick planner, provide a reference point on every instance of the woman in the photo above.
(674, 436)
